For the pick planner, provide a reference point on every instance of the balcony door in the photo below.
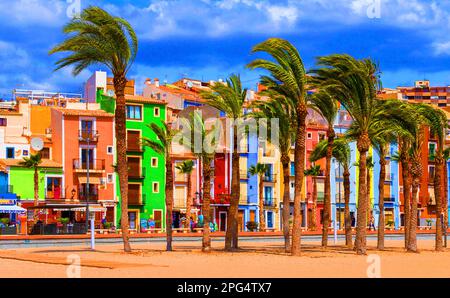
(53, 188)
(87, 155)
(134, 166)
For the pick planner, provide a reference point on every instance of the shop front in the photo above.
(12, 217)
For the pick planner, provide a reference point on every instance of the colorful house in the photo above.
(146, 196)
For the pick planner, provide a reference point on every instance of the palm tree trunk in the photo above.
(285, 160)
(445, 198)
(206, 240)
(231, 236)
(299, 157)
(382, 178)
(412, 243)
(122, 165)
(347, 219)
(36, 191)
(369, 201)
(327, 196)
(360, 240)
(262, 220)
(188, 200)
(169, 202)
(314, 204)
(406, 197)
(437, 194)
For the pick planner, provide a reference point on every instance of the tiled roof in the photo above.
(142, 99)
(94, 113)
(46, 163)
(9, 112)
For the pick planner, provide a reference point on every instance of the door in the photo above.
(222, 221)
(53, 188)
(134, 167)
(241, 220)
(133, 140)
(270, 219)
(157, 217)
(87, 155)
(252, 215)
(268, 195)
(132, 215)
(86, 129)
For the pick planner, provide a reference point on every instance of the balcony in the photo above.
(244, 175)
(270, 178)
(85, 135)
(269, 202)
(95, 165)
(85, 195)
(136, 199)
(136, 173)
(389, 200)
(222, 199)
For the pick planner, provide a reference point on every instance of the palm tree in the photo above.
(279, 108)
(328, 108)
(437, 122)
(33, 162)
(260, 169)
(342, 154)
(354, 84)
(162, 145)
(369, 165)
(288, 77)
(194, 128)
(229, 98)
(186, 167)
(98, 38)
(446, 156)
(314, 171)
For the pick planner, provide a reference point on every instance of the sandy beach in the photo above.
(255, 259)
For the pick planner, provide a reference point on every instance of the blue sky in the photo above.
(210, 39)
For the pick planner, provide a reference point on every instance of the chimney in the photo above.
(156, 82)
(148, 82)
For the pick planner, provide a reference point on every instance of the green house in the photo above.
(21, 180)
(146, 170)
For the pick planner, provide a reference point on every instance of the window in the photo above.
(292, 169)
(309, 136)
(134, 112)
(10, 152)
(109, 149)
(25, 152)
(3, 122)
(321, 136)
(134, 140)
(154, 162)
(431, 150)
(155, 187)
(110, 178)
(156, 112)
(45, 153)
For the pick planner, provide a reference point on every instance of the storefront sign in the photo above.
(7, 202)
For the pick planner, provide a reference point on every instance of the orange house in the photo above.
(83, 143)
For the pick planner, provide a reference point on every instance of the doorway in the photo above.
(132, 215)
(222, 221)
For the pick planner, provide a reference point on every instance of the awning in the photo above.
(91, 209)
(92, 180)
(12, 209)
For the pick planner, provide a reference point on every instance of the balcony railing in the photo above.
(270, 178)
(135, 147)
(95, 164)
(136, 199)
(244, 175)
(389, 200)
(136, 173)
(90, 196)
(85, 135)
(269, 202)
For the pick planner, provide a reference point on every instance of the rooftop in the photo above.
(46, 163)
(94, 113)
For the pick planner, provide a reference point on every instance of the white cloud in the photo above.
(442, 48)
(50, 13)
(281, 14)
